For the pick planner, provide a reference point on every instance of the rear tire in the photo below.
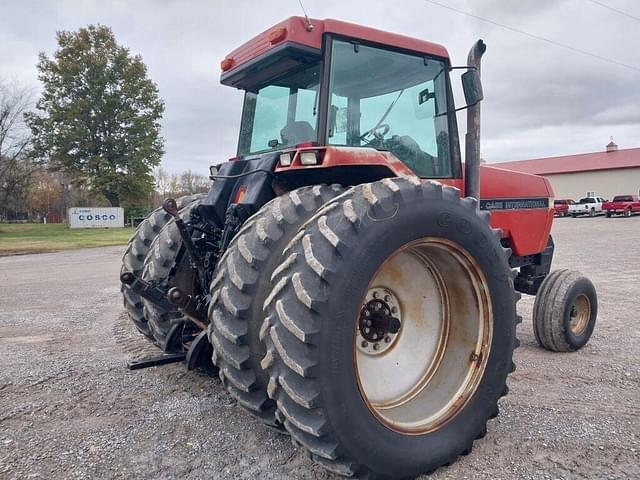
(240, 287)
(565, 311)
(166, 266)
(133, 259)
(319, 375)
(592, 213)
(627, 212)
(608, 214)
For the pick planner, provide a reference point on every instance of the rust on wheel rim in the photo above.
(431, 365)
(580, 314)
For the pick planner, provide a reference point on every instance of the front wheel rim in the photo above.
(426, 372)
(580, 314)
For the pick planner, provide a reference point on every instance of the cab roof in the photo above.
(294, 30)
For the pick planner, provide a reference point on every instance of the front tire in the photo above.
(627, 212)
(565, 311)
(439, 377)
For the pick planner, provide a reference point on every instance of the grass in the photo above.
(17, 239)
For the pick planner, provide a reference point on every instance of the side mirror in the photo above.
(472, 87)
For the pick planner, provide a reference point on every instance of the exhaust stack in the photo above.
(472, 137)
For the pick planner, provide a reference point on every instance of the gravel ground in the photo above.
(70, 409)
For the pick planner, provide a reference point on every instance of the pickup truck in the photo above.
(561, 207)
(591, 206)
(625, 205)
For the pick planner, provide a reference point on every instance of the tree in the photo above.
(191, 182)
(44, 195)
(161, 180)
(16, 162)
(99, 120)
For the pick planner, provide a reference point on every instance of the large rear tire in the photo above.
(133, 259)
(414, 256)
(239, 290)
(166, 266)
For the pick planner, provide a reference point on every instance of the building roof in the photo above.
(584, 162)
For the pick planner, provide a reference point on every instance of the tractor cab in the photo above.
(317, 90)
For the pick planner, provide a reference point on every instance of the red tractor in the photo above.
(353, 281)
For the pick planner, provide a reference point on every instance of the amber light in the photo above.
(226, 64)
(240, 194)
(277, 35)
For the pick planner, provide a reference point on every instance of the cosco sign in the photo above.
(96, 217)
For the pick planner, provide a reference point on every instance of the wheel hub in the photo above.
(428, 370)
(579, 315)
(379, 322)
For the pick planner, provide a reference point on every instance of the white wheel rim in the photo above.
(425, 374)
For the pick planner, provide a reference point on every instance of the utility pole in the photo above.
(65, 220)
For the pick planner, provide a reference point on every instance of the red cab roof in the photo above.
(584, 162)
(294, 29)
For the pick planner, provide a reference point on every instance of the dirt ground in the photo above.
(70, 409)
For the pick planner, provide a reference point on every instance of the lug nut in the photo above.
(374, 336)
(387, 298)
(367, 313)
(375, 294)
(376, 346)
(367, 330)
(387, 339)
(364, 344)
(368, 323)
(394, 310)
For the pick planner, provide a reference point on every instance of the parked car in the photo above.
(561, 207)
(591, 206)
(625, 205)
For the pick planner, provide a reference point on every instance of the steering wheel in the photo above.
(378, 131)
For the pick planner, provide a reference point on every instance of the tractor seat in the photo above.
(297, 132)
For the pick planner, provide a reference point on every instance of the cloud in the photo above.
(541, 100)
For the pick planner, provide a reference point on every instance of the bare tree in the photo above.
(161, 179)
(191, 182)
(16, 162)
(176, 185)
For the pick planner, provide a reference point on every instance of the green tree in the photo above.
(99, 115)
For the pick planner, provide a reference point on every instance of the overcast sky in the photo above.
(540, 100)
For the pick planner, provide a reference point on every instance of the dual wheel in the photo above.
(153, 250)
(375, 325)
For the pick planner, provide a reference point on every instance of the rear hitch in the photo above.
(200, 353)
(156, 361)
(193, 307)
(237, 214)
(171, 207)
(146, 290)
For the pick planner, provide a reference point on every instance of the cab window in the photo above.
(391, 101)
